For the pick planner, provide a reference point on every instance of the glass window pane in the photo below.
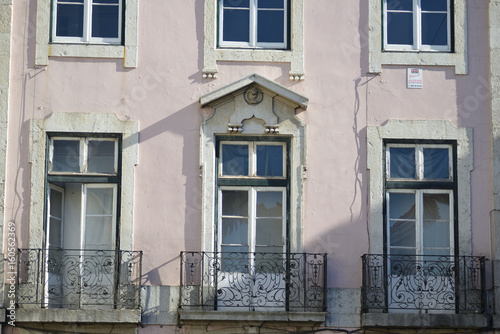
(269, 232)
(269, 260)
(107, 1)
(236, 3)
(269, 204)
(55, 233)
(402, 162)
(236, 27)
(437, 234)
(403, 234)
(234, 258)
(434, 5)
(271, 4)
(401, 206)
(399, 4)
(235, 203)
(100, 201)
(235, 160)
(105, 21)
(235, 231)
(69, 20)
(434, 29)
(436, 163)
(99, 232)
(270, 26)
(400, 28)
(101, 156)
(269, 160)
(436, 207)
(403, 263)
(66, 156)
(56, 200)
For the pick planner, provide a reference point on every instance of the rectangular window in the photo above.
(422, 25)
(253, 23)
(87, 21)
(420, 224)
(81, 220)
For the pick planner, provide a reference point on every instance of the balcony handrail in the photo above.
(427, 283)
(79, 278)
(253, 281)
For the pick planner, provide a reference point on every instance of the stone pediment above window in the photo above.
(253, 105)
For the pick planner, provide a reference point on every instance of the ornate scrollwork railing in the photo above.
(425, 283)
(253, 281)
(63, 278)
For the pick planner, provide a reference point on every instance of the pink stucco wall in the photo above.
(162, 94)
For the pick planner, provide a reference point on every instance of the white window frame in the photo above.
(84, 141)
(253, 43)
(252, 159)
(252, 211)
(417, 30)
(87, 25)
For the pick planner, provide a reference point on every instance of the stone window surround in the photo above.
(294, 56)
(45, 49)
(419, 129)
(82, 123)
(378, 57)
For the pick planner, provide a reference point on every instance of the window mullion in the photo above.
(419, 163)
(253, 22)
(417, 25)
(419, 218)
(252, 160)
(252, 214)
(87, 16)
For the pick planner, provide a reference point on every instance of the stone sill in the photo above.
(78, 316)
(188, 316)
(396, 320)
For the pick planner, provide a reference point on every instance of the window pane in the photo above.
(402, 162)
(269, 232)
(400, 28)
(235, 203)
(270, 26)
(236, 27)
(270, 260)
(99, 232)
(235, 231)
(69, 20)
(234, 258)
(437, 234)
(436, 163)
(105, 21)
(107, 1)
(271, 4)
(436, 207)
(403, 234)
(101, 156)
(55, 233)
(56, 200)
(399, 4)
(236, 3)
(269, 160)
(434, 29)
(66, 156)
(235, 160)
(100, 201)
(269, 204)
(401, 206)
(434, 5)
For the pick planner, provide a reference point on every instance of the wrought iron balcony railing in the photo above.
(437, 284)
(74, 279)
(253, 281)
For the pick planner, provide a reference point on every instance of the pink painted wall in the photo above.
(162, 94)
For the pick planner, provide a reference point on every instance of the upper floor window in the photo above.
(422, 25)
(253, 23)
(87, 21)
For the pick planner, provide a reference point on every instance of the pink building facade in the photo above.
(249, 166)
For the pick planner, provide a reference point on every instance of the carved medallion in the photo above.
(253, 96)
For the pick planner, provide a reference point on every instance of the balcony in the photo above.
(257, 286)
(420, 288)
(100, 283)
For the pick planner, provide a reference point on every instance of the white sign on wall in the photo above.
(415, 78)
